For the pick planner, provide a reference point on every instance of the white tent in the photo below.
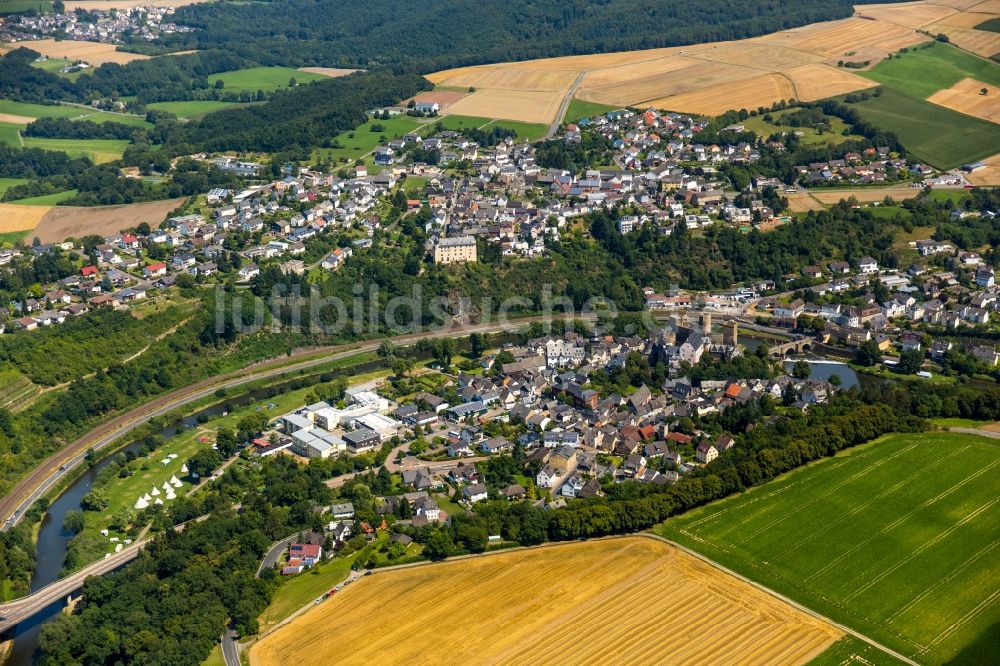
(166, 487)
(147, 497)
(141, 503)
(118, 548)
(175, 482)
(184, 468)
(155, 491)
(158, 501)
(171, 495)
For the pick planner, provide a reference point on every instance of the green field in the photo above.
(990, 25)
(922, 71)
(9, 133)
(47, 199)
(808, 135)
(193, 109)
(362, 140)
(72, 112)
(529, 131)
(262, 78)
(851, 651)
(53, 65)
(16, 6)
(580, 109)
(898, 539)
(941, 137)
(7, 183)
(97, 150)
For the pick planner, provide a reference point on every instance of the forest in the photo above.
(452, 33)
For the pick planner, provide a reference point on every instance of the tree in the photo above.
(984, 91)
(226, 442)
(74, 522)
(439, 545)
(95, 500)
(835, 380)
(122, 519)
(868, 353)
(478, 343)
(250, 425)
(203, 463)
(801, 370)
(219, 84)
(910, 361)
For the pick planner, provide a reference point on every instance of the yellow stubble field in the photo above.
(966, 97)
(95, 53)
(633, 600)
(706, 78)
(20, 218)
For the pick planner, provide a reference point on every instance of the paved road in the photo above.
(564, 106)
(48, 473)
(21, 609)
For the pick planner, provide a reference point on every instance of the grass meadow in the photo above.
(899, 539)
(939, 136)
(263, 78)
(579, 108)
(922, 71)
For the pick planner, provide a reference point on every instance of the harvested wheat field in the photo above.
(819, 199)
(20, 218)
(441, 97)
(966, 97)
(531, 106)
(16, 119)
(633, 600)
(710, 77)
(907, 14)
(967, 19)
(814, 82)
(747, 93)
(332, 72)
(980, 42)
(988, 175)
(61, 222)
(95, 53)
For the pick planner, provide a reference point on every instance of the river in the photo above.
(53, 540)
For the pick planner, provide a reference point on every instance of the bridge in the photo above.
(796, 346)
(17, 611)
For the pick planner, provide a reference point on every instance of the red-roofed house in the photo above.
(155, 270)
(87, 271)
(308, 553)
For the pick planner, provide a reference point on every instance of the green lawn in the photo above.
(580, 109)
(898, 539)
(922, 71)
(941, 137)
(72, 112)
(47, 199)
(9, 133)
(16, 6)
(53, 65)
(215, 657)
(192, 109)
(262, 78)
(362, 140)
(299, 590)
(529, 131)
(7, 183)
(97, 150)
(808, 135)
